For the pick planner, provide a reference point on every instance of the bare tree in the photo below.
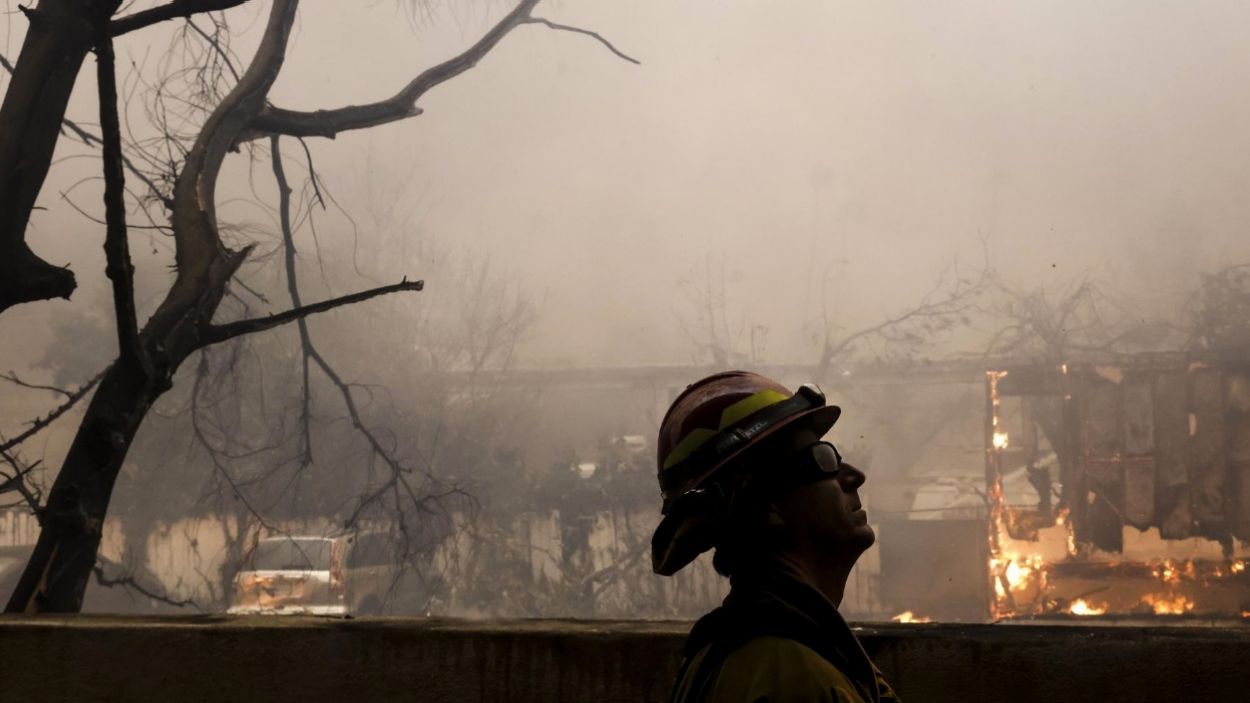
(1081, 317)
(183, 323)
(913, 331)
(706, 318)
(1220, 311)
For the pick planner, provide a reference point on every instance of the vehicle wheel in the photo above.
(370, 607)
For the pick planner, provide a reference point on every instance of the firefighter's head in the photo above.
(743, 469)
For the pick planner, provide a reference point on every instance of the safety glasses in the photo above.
(814, 462)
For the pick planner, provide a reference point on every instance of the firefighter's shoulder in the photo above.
(780, 670)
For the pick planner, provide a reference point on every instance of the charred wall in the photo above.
(219, 659)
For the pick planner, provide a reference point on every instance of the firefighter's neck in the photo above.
(817, 570)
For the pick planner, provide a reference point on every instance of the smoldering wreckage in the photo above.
(1114, 488)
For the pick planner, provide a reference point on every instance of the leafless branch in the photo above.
(288, 249)
(312, 174)
(92, 140)
(397, 484)
(16, 483)
(131, 583)
(216, 47)
(171, 10)
(199, 253)
(587, 32)
(402, 105)
(12, 378)
(72, 398)
(220, 333)
(118, 268)
(938, 306)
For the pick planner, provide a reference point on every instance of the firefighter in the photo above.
(743, 470)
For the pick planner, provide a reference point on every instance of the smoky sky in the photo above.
(821, 158)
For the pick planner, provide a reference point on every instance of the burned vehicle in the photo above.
(305, 575)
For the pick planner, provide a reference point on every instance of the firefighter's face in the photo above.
(826, 514)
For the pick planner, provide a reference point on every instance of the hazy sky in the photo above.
(810, 148)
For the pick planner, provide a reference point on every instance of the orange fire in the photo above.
(1020, 570)
(908, 616)
(1167, 572)
(1032, 574)
(1176, 604)
(1082, 607)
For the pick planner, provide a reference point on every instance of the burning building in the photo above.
(1116, 486)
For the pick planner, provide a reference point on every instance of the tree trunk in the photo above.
(56, 577)
(60, 35)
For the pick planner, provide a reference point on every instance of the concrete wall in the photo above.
(276, 659)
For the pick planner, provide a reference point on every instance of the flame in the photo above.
(1001, 440)
(1169, 604)
(1238, 567)
(908, 616)
(1081, 607)
(1167, 572)
(1020, 570)
(1016, 574)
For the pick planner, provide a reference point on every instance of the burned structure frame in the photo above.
(1158, 442)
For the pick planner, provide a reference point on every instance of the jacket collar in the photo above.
(777, 604)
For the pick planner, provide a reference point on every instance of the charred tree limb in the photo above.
(402, 105)
(220, 333)
(35, 427)
(92, 140)
(216, 46)
(118, 267)
(56, 575)
(61, 33)
(12, 378)
(398, 483)
(175, 9)
(133, 584)
(288, 250)
(578, 30)
(17, 483)
(204, 264)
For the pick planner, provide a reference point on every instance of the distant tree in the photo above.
(179, 173)
(1220, 311)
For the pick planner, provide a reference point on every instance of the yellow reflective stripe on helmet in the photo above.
(688, 444)
(749, 405)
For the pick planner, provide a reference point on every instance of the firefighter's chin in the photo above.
(864, 536)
